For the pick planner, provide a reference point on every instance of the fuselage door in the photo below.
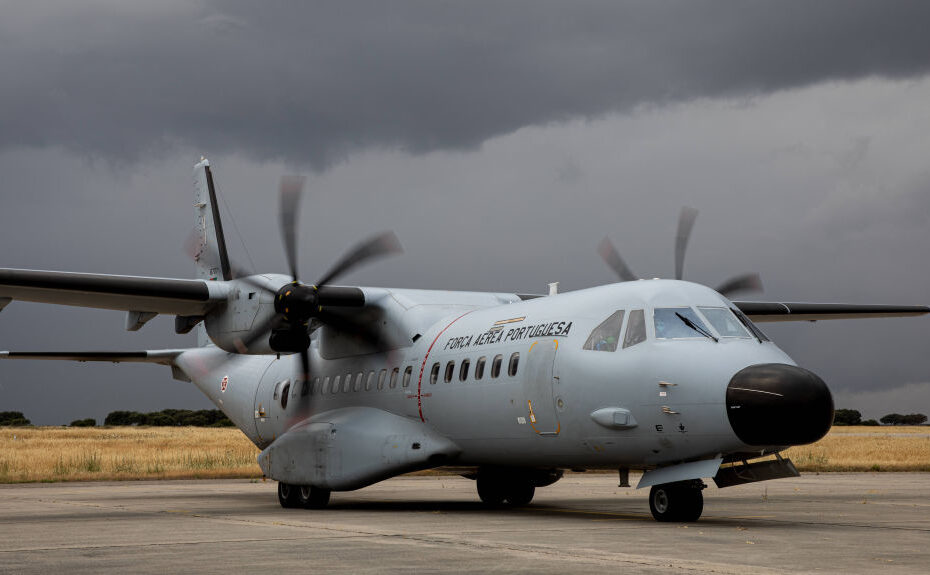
(271, 402)
(539, 382)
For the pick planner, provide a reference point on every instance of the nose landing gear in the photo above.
(681, 501)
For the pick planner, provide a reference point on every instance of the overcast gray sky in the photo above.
(500, 140)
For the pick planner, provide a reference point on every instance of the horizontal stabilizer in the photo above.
(128, 293)
(162, 356)
(762, 311)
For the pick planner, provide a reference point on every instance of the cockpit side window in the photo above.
(635, 329)
(672, 323)
(750, 326)
(606, 335)
(724, 322)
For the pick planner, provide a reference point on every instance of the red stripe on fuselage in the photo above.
(423, 365)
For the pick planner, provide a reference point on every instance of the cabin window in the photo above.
(347, 384)
(336, 381)
(672, 323)
(514, 363)
(479, 367)
(407, 374)
(393, 383)
(635, 329)
(450, 369)
(325, 387)
(463, 371)
(278, 386)
(606, 335)
(358, 381)
(316, 386)
(305, 388)
(284, 395)
(370, 381)
(381, 377)
(496, 365)
(434, 374)
(724, 322)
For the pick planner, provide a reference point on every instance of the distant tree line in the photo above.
(909, 419)
(13, 418)
(169, 417)
(853, 417)
(165, 417)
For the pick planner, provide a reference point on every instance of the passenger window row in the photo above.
(496, 364)
(380, 380)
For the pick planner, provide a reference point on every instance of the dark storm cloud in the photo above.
(312, 82)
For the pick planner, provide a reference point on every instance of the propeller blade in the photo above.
(748, 282)
(304, 366)
(685, 224)
(291, 191)
(612, 258)
(377, 246)
(346, 325)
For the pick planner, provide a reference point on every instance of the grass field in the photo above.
(124, 453)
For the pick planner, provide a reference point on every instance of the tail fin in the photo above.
(209, 245)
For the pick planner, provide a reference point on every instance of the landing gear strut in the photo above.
(681, 501)
(305, 496)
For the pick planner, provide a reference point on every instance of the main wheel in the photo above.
(520, 493)
(676, 502)
(491, 489)
(288, 495)
(310, 497)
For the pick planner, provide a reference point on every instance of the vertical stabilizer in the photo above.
(209, 245)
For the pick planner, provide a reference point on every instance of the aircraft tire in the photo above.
(520, 493)
(288, 495)
(310, 497)
(676, 502)
(491, 490)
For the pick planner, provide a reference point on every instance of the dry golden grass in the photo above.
(125, 453)
(86, 454)
(855, 448)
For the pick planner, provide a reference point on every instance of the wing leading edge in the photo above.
(762, 311)
(128, 293)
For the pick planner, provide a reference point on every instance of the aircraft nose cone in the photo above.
(778, 404)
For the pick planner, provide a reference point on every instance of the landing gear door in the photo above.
(539, 383)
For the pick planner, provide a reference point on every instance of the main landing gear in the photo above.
(514, 487)
(681, 501)
(302, 496)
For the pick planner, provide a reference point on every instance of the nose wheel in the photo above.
(681, 501)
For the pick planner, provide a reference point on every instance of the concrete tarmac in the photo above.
(829, 523)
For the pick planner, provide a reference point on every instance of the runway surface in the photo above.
(831, 523)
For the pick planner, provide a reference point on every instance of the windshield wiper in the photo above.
(696, 327)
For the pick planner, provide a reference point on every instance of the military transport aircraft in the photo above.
(344, 386)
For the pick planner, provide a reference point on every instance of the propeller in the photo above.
(610, 255)
(296, 304)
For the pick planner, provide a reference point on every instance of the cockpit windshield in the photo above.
(679, 323)
(724, 322)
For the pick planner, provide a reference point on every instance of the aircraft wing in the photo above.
(764, 311)
(187, 297)
(162, 356)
